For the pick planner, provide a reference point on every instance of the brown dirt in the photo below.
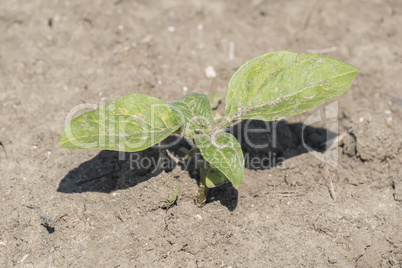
(58, 54)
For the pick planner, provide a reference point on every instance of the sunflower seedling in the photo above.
(170, 202)
(270, 87)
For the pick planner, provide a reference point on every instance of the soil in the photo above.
(65, 208)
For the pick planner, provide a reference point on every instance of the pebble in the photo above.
(146, 39)
(198, 217)
(210, 72)
(388, 122)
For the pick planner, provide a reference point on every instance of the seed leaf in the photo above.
(195, 110)
(223, 151)
(215, 178)
(131, 123)
(281, 84)
(215, 99)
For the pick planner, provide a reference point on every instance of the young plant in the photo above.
(270, 87)
(170, 202)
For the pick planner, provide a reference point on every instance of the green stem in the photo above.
(203, 189)
(222, 124)
(162, 155)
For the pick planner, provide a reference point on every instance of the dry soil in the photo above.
(63, 208)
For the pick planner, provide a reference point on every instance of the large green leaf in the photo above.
(195, 110)
(131, 123)
(223, 151)
(280, 84)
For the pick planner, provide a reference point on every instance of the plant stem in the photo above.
(222, 124)
(162, 155)
(203, 189)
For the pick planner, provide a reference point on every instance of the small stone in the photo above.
(14, 215)
(171, 29)
(146, 39)
(388, 122)
(332, 259)
(210, 72)
(198, 217)
(349, 145)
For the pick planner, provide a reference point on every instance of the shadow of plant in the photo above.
(265, 145)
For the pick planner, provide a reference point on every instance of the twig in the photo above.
(23, 258)
(332, 143)
(120, 216)
(328, 182)
(231, 53)
(4, 148)
(322, 50)
(92, 179)
(287, 193)
(174, 158)
(47, 222)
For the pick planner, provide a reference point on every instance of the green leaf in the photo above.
(215, 178)
(215, 99)
(223, 151)
(196, 112)
(281, 84)
(131, 123)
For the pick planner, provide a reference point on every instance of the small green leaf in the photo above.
(223, 151)
(281, 84)
(215, 99)
(173, 200)
(196, 111)
(215, 178)
(131, 123)
(190, 154)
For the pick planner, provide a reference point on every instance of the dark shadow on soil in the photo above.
(111, 170)
(226, 194)
(265, 145)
